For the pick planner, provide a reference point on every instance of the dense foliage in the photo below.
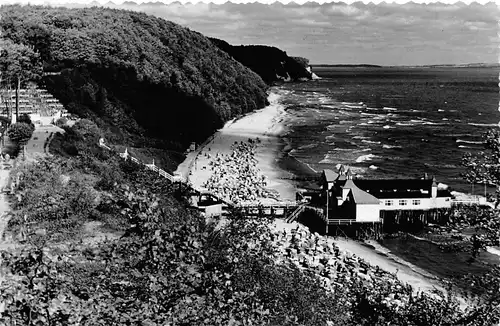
(270, 63)
(19, 63)
(485, 168)
(169, 265)
(135, 73)
(21, 132)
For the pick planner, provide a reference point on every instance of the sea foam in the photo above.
(468, 141)
(364, 158)
(484, 124)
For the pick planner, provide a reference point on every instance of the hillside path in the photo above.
(4, 202)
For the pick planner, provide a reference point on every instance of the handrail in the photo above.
(162, 172)
(341, 221)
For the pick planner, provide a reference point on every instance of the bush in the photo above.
(61, 122)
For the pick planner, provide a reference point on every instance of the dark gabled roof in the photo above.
(341, 169)
(342, 177)
(391, 184)
(400, 188)
(349, 172)
(330, 175)
(360, 196)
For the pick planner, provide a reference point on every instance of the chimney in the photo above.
(434, 188)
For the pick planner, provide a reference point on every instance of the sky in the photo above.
(342, 33)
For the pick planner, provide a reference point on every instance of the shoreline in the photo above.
(263, 124)
(271, 160)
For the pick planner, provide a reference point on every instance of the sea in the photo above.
(393, 122)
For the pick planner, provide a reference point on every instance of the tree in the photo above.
(20, 132)
(18, 64)
(484, 168)
(25, 118)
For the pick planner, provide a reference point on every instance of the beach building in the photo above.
(364, 199)
(407, 194)
(346, 200)
(349, 201)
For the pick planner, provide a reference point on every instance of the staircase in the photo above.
(295, 214)
(31, 101)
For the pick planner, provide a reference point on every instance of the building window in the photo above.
(389, 202)
(402, 202)
(447, 199)
(416, 202)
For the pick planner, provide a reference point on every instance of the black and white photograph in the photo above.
(283, 163)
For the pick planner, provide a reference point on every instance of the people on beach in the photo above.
(235, 176)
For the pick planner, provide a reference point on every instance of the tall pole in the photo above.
(327, 200)
(17, 98)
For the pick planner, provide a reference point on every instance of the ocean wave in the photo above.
(328, 159)
(324, 100)
(456, 135)
(440, 110)
(373, 167)
(389, 109)
(308, 146)
(364, 158)
(464, 146)
(387, 127)
(493, 251)
(404, 124)
(373, 114)
(360, 137)
(390, 146)
(468, 141)
(345, 149)
(484, 124)
(370, 141)
(434, 123)
(354, 106)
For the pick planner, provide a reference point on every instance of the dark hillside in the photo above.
(136, 74)
(270, 63)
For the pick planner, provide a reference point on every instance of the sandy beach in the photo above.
(265, 125)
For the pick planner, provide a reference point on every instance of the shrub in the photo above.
(61, 122)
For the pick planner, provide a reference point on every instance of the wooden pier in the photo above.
(316, 218)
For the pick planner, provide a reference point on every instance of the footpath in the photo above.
(36, 147)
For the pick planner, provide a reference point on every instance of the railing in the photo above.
(341, 221)
(284, 204)
(474, 200)
(125, 155)
(296, 213)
